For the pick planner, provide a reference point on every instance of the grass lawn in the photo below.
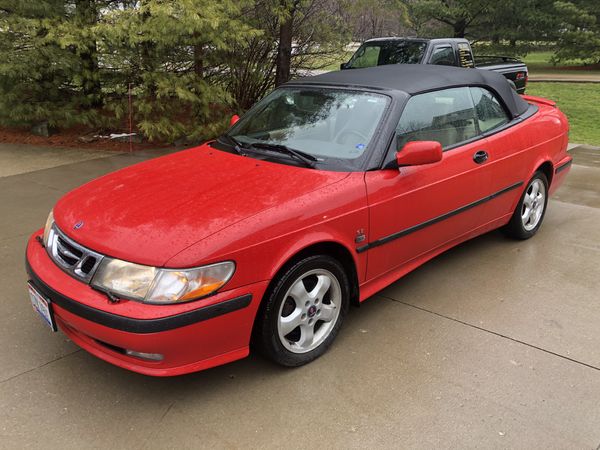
(331, 63)
(539, 63)
(580, 102)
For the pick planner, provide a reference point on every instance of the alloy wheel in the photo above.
(309, 311)
(534, 202)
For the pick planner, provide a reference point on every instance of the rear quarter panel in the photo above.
(517, 152)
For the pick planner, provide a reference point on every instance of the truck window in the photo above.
(366, 56)
(490, 113)
(465, 55)
(382, 53)
(446, 116)
(443, 56)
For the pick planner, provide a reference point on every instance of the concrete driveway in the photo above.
(495, 344)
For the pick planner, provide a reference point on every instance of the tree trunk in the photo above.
(147, 54)
(460, 28)
(87, 15)
(284, 49)
(198, 60)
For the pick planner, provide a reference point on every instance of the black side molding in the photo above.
(420, 226)
(563, 166)
(130, 325)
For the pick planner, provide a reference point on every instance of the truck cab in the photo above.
(445, 51)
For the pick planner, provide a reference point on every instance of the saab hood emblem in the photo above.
(78, 225)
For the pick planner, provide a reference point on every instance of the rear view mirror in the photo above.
(343, 66)
(233, 120)
(417, 153)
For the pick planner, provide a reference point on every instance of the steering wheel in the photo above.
(340, 137)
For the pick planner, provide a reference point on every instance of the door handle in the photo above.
(480, 156)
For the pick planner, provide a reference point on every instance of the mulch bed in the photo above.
(70, 138)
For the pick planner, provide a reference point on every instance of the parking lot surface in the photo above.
(494, 344)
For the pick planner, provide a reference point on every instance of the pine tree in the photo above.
(166, 52)
(35, 72)
(70, 62)
(580, 31)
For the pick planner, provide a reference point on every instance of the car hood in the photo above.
(148, 212)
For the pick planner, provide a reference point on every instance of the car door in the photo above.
(507, 160)
(414, 210)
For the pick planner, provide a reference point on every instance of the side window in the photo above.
(367, 56)
(445, 116)
(443, 56)
(490, 113)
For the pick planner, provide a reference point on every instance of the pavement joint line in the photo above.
(166, 411)
(141, 157)
(44, 185)
(53, 167)
(39, 367)
(495, 333)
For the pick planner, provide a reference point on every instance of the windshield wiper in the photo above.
(237, 145)
(308, 159)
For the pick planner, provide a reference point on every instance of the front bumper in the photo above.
(191, 337)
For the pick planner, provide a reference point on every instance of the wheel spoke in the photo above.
(299, 293)
(531, 217)
(327, 313)
(322, 286)
(289, 323)
(535, 189)
(307, 335)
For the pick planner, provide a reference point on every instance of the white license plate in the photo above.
(42, 306)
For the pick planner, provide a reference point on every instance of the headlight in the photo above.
(161, 286)
(124, 278)
(49, 223)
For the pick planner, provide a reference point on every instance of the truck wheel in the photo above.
(304, 311)
(529, 213)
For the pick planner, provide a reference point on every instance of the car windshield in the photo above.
(323, 124)
(373, 54)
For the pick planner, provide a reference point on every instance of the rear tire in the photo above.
(303, 313)
(531, 209)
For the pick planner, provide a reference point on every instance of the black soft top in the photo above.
(417, 78)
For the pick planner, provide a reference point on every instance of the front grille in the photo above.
(73, 258)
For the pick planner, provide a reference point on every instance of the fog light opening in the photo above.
(146, 356)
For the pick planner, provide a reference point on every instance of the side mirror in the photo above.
(233, 120)
(343, 66)
(417, 153)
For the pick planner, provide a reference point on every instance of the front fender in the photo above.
(262, 244)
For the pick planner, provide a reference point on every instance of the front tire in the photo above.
(529, 213)
(303, 313)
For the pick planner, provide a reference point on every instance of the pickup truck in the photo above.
(445, 52)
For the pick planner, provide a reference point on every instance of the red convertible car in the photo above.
(326, 191)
